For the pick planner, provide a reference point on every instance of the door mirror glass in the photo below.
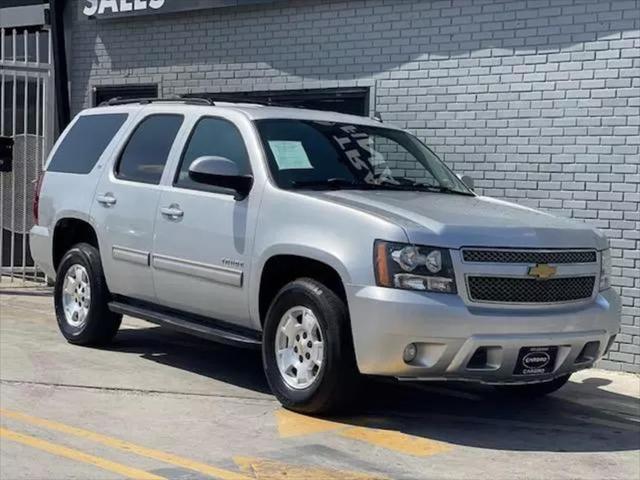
(221, 172)
(6, 154)
(468, 181)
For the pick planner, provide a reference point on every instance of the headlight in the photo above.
(605, 269)
(410, 267)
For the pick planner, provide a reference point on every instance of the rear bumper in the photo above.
(449, 332)
(40, 243)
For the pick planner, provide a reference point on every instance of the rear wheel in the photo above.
(533, 390)
(307, 349)
(81, 297)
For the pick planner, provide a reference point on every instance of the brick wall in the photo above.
(538, 100)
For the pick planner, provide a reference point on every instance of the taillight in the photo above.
(36, 198)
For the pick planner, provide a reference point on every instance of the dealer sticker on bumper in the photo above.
(536, 360)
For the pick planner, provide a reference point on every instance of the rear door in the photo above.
(126, 201)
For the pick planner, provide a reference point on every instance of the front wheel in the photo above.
(307, 350)
(533, 390)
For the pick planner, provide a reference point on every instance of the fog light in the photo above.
(410, 353)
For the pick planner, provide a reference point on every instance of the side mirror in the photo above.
(468, 181)
(221, 172)
(6, 154)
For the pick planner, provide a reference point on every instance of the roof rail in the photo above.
(147, 101)
(232, 98)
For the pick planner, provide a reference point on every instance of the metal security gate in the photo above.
(26, 115)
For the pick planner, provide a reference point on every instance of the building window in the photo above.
(31, 44)
(354, 101)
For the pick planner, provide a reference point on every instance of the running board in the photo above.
(186, 323)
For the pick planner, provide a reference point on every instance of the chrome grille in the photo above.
(529, 256)
(528, 290)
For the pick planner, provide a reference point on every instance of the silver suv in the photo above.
(337, 244)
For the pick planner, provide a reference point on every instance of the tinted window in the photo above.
(145, 155)
(212, 137)
(312, 154)
(85, 142)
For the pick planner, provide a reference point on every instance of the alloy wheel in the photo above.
(299, 348)
(76, 296)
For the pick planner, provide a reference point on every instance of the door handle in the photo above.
(107, 199)
(173, 211)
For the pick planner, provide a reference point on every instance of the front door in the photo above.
(201, 248)
(126, 202)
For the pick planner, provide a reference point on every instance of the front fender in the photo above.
(302, 224)
(306, 251)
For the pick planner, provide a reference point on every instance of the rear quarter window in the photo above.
(86, 141)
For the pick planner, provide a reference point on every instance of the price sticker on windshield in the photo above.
(290, 155)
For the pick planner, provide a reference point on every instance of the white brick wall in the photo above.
(538, 100)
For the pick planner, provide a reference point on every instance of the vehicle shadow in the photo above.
(581, 417)
(236, 366)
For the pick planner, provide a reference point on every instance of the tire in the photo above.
(96, 325)
(533, 390)
(336, 379)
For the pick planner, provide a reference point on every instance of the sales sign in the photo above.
(125, 8)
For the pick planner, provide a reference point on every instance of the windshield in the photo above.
(326, 155)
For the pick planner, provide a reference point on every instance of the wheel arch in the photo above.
(69, 231)
(283, 265)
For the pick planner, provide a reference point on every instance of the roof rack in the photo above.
(232, 98)
(209, 100)
(147, 101)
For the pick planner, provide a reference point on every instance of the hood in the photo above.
(457, 221)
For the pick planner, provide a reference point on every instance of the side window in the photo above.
(82, 146)
(212, 137)
(145, 155)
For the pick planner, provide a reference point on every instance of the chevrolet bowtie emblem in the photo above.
(542, 271)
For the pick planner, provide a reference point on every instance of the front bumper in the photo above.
(448, 332)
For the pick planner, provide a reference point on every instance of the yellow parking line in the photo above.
(126, 446)
(273, 470)
(291, 424)
(77, 455)
(397, 441)
(294, 424)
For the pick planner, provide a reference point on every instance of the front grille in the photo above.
(529, 256)
(529, 290)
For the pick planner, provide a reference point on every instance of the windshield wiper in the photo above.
(443, 189)
(332, 183)
(423, 187)
(344, 184)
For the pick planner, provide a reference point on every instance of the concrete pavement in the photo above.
(158, 404)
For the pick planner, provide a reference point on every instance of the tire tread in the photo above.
(338, 385)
